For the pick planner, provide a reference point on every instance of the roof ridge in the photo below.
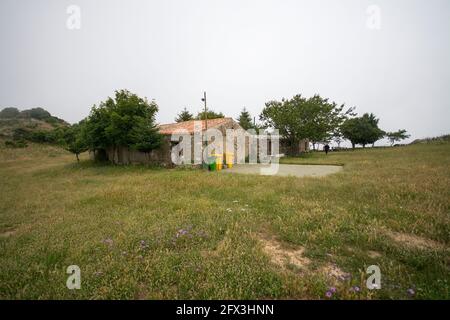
(189, 125)
(177, 123)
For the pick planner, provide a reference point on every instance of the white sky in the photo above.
(243, 53)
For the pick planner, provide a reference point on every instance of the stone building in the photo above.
(163, 155)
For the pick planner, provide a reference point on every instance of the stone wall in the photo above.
(293, 150)
(124, 155)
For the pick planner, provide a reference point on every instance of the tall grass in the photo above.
(139, 232)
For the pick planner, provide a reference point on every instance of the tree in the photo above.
(211, 115)
(299, 118)
(71, 139)
(245, 120)
(145, 136)
(184, 115)
(375, 133)
(397, 136)
(362, 130)
(325, 118)
(123, 121)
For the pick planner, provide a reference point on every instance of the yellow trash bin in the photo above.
(219, 161)
(229, 159)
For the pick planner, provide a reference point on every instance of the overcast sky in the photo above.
(243, 53)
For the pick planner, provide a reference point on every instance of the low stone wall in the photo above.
(125, 155)
(294, 150)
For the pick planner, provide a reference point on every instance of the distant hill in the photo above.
(13, 121)
(440, 139)
(33, 113)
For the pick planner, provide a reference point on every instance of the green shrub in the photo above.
(21, 134)
(43, 137)
(16, 144)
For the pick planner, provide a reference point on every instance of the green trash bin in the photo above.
(212, 163)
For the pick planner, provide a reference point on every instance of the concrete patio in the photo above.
(285, 170)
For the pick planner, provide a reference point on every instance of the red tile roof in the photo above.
(170, 128)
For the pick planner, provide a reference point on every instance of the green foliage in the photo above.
(362, 130)
(145, 136)
(73, 139)
(36, 113)
(210, 114)
(16, 144)
(397, 136)
(21, 134)
(42, 136)
(245, 120)
(299, 118)
(125, 121)
(184, 115)
(8, 113)
(37, 136)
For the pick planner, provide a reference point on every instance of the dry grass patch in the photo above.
(373, 254)
(7, 233)
(414, 241)
(332, 271)
(141, 292)
(283, 255)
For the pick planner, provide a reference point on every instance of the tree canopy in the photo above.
(362, 130)
(123, 121)
(211, 115)
(72, 139)
(184, 115)
(299, 118)
(397, 136)
(245, 120)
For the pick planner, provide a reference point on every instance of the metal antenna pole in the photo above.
(206, 118)
(206, 111)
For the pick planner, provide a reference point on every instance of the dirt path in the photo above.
(286, 170)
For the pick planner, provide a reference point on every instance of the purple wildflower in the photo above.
(355, 289)
(333, 290)
(143, 244)
(329, 294)
(410, 292)
(181, 232)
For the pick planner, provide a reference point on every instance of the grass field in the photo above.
(151, 233)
